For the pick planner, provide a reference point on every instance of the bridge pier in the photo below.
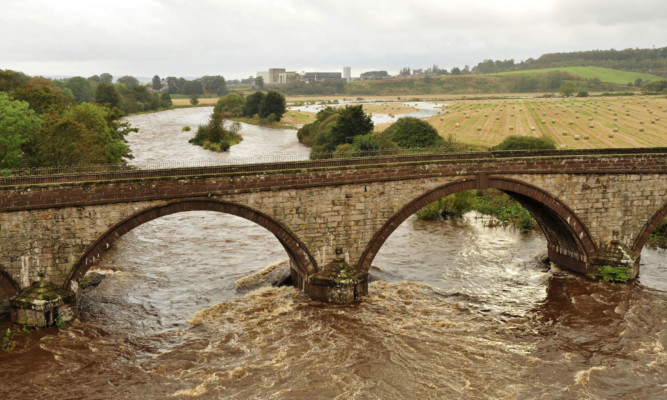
(338, 282)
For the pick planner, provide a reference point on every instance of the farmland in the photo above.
(571, 123)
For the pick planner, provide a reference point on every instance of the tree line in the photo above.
(49, 123)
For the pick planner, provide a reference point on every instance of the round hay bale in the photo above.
(571, 122)
(591, 125)
(564, 133)
(641, 122)
(479, 129)
(585, 137)
(641, 129)
(532, 128)
(615, 130)
(576, 137)
(563, 146)
(457, 125)
(611, 135)
(543, 122)
(511, 127)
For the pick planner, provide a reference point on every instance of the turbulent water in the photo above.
(457, 310)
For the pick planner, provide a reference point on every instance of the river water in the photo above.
(457, 310)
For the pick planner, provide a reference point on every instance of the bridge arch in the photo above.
(297, 252)
(8, 284)
(569, 241)
(648, 228)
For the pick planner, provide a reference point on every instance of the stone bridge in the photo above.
(595, 207)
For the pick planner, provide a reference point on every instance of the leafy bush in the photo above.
(525, 143)
(410, 132)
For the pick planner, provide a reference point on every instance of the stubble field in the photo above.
(571, 123)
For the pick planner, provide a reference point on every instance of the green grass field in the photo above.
(603, 74)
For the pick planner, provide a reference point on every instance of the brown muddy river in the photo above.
(457, 310)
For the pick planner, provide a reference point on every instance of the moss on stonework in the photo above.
(609, 273)
(343, 275)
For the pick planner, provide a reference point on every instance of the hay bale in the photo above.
(564, 133)
(457, 125)
(591, 125)
(479, 129)
(511, 127)
(585, 137)
(615, 130)
(641, 129)
(543, 122)
(571, 122)
(532, 128)
(611, 135)
(563, 146)
(576, 137)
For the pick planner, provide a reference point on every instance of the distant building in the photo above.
(347, 74)
(287, 77)
(320, 76)
(264, 75)
(274, 75)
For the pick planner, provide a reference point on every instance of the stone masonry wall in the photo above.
(47, 227)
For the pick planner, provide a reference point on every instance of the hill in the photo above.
(601, 73)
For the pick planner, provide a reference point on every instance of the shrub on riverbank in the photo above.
(488, 202)
(525, 143)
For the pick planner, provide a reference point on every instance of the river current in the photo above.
(457, 310)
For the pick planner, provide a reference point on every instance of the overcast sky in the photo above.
(240, 37)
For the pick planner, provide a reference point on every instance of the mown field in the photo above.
(571, 123)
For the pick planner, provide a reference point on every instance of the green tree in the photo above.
(353, 121)
(165, 100)
(64, 141)
(128, 81)
(568, 89)
(41, 95)
(81, 88)
(272, 103)
(259, 82)
(17, 124)
(252, 103)
(11, 80)
(106, 94)
(214, 84)
(194, 99)
(106, 77)
(157, 83)
(410, 132)
(230, 105)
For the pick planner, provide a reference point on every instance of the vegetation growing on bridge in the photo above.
(609, 273)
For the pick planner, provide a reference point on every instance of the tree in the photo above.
(41, 95)
(353, 121)
(165, 100)
(214, 84)
(194, 99)
(106, 94)
(259, 82)
(157, 83)
(65, 141)
(567, 89)
(106, 77)
(411, 132)
(128, 81)
(252, 103)
(81, 88)
(272, 103)
(17, 123)
(230, 105)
